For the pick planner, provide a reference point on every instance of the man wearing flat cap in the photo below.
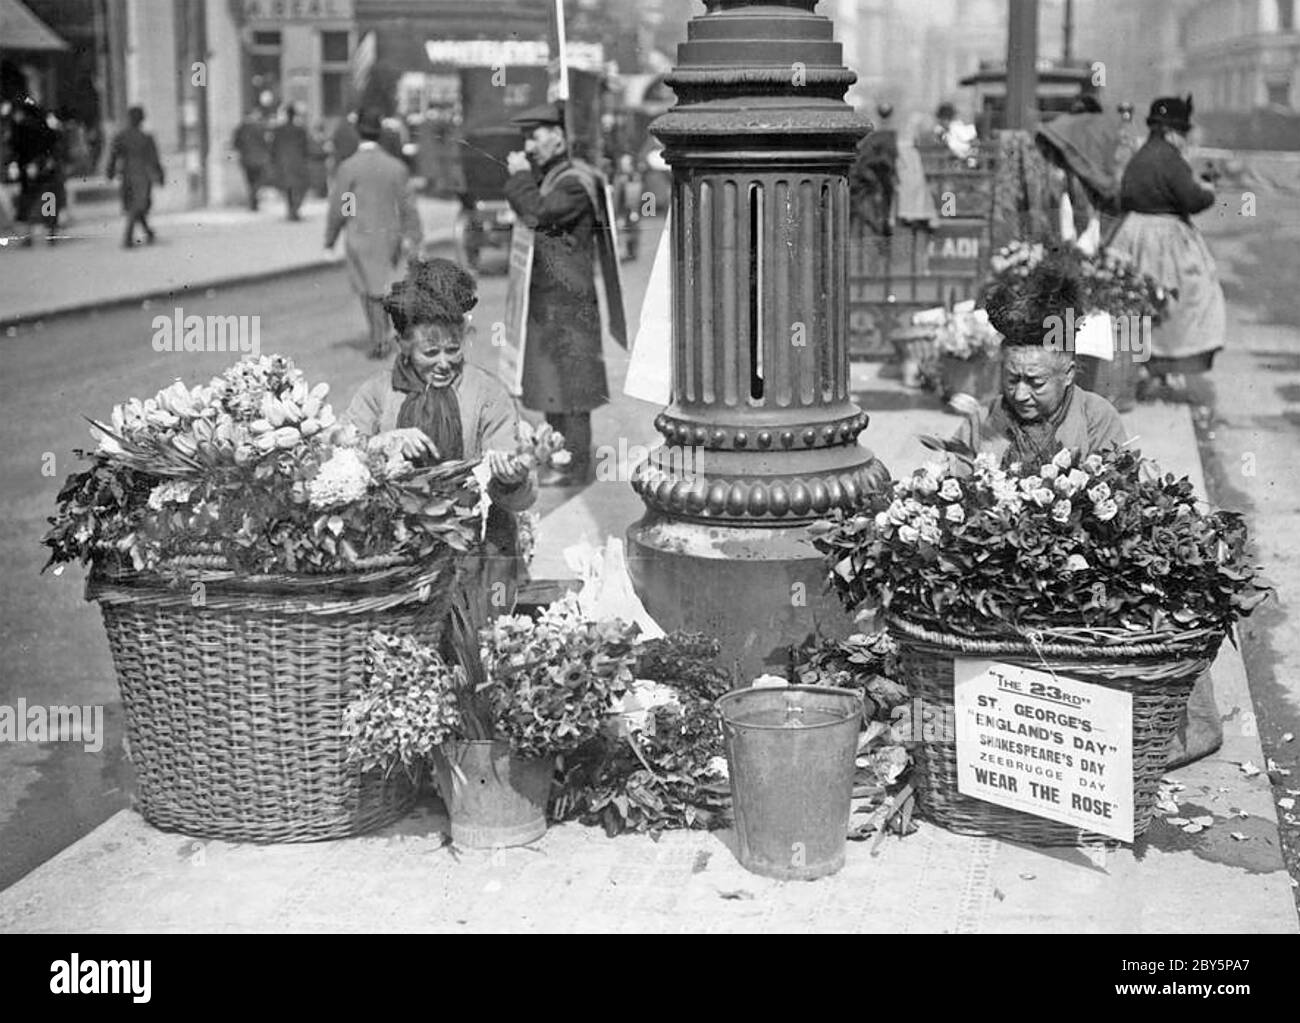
(563, 201)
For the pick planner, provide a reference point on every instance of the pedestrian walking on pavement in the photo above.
(134, 155)
(873, 178)
(343, 143)
(563, 201)
(1158, 195)
(252, 143)
(36, 144)
(371, 198)
(1129, 139)
(289, 154)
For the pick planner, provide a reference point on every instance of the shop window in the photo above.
(333, 93)
(334, 47)
(266, 39)
(335, 73)
(1279, 94)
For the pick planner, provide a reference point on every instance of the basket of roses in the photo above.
(242, 546)
(1098, 569)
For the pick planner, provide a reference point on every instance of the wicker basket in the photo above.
(980, 378)
(1159, 675)
(234, 693)
(917, 351)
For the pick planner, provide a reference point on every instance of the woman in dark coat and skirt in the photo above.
(1158, 195)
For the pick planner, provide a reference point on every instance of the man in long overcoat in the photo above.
(251, 142)
(134, 155)
(371, 198)
(563, 201)
(289, 146)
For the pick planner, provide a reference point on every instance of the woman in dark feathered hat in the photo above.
(433, 405)
(1159, 194)
(1040, 409)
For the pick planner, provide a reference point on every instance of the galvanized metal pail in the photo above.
(790, 754)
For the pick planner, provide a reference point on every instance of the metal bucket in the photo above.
(790, 754)
(493, 797)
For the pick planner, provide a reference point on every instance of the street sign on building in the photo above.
(260, 12)
(503, 52)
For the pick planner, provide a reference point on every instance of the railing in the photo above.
(892, 276)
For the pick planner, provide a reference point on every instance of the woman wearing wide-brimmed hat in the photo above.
(1159, 194)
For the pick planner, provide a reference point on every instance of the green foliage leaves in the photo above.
(669, 777)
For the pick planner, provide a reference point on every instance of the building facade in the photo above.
(1242, 55)
(1139, 44)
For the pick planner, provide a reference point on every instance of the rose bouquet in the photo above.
(253, 469)
(1076, 545)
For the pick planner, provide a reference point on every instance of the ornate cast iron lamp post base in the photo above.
(761, 438)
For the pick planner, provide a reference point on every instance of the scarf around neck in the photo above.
(435, 410)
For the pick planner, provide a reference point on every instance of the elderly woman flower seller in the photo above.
(433, 406)
(1041, 410)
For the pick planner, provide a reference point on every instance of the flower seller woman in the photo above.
(1040, 409)
(434, 406)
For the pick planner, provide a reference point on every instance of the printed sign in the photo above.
(516, 333)
(501, 52)
(283, 11)
(650, 370)
(1045, 744)
(612, 328)
(957, 247)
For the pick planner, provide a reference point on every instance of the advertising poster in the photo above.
(1045, 744)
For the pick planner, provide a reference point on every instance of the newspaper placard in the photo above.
(650, 369)
(612, 328)
(1045, 744)
(1096, 337)
(516, 332)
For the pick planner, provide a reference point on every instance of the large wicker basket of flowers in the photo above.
(242, 547)
(1095, 569)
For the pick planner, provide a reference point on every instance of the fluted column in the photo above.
(761, 436)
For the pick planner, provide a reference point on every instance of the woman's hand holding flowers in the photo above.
(408, 441)
(508, 470)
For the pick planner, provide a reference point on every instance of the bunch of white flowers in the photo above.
(342, 479)
(173, 492)
(913, 516)
(1019, 256)
(542, 445)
